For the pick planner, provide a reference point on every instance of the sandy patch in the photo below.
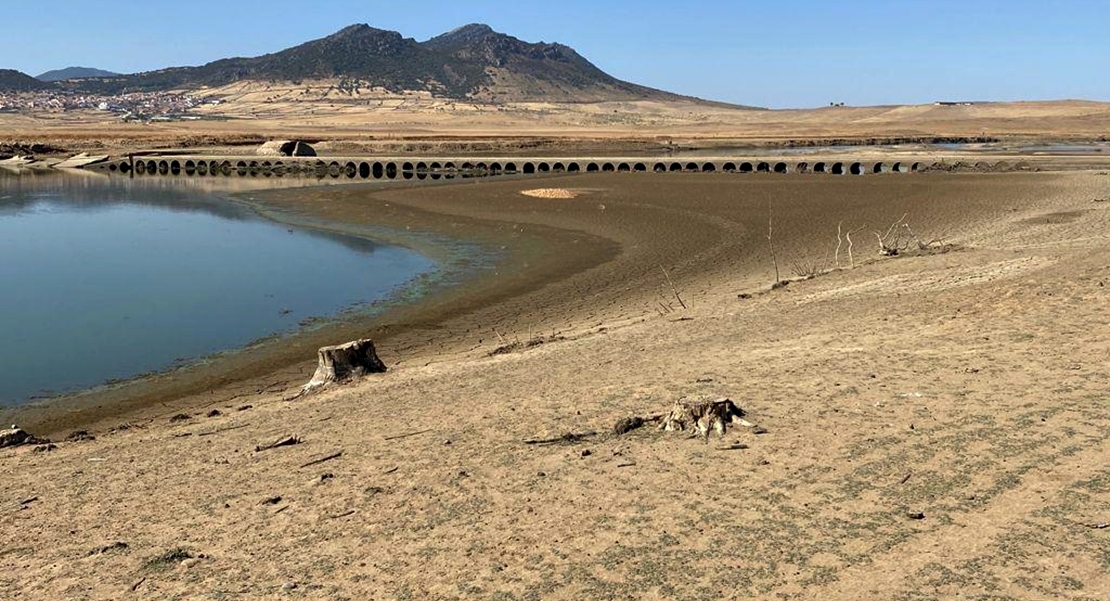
(552, 193)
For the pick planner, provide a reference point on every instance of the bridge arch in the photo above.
(639, 167)
(574, 168)
(878, 168)
(225, 169)
(624, 168)
(406, 170)
(190, 167)
(802, 167)
(494, 168)
(175, 167)
(608, 167)
(838, 168)
(745, 167)
(267, 169)
(763, 167)
(559, 168)
(781, 167)
(544, 168)
(529, 168)
(592, 168)
(510, 168)
(709, 167)
(364, 170)
(675, 167)
(449, 170)
(202, 168)
(729, 167)
(391, 170)
(692, 167)
(819, 167)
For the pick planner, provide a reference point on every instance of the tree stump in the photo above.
(703, 415)
(345, 362)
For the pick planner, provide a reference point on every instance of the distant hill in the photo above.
(469, 62)
(15, 81)
(74, 73)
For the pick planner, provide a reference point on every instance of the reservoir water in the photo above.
(107, 279)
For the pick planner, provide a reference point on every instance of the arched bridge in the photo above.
(435, 168)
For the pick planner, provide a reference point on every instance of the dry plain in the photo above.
(931, 425)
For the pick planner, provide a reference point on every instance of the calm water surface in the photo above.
(109, 279)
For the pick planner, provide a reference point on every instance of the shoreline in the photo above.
(570, 266)
(279, 360)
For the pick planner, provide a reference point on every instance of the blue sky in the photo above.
(773, 53)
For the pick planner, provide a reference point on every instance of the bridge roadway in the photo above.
(447, 167)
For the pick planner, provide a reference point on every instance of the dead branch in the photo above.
(838, 243)
(213, 432)
(890, 243)
(323, 459)
(283, 442)
(400, 436)
(848, 237)
(569, 437)
(771, 245)
(673, 289)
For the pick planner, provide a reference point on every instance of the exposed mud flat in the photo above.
(930, 425)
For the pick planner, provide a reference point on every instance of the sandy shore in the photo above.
(933, 424)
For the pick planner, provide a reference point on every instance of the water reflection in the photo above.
(112, 277)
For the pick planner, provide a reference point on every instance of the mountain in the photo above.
(15, 81)
(518, 70)
(469, 62)
(74, 73)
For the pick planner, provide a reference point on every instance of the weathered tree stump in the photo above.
(703, 415)
(345, 362)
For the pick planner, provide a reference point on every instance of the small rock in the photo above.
(80, 436)
(214, 413)
(188, 563)
(180, 417)
(44, 448)
(586, 452)
(244, 407)
(271, 501)
(915, 515)
(743, 296)
(760, 430)
(627, 424)
(288, 586)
